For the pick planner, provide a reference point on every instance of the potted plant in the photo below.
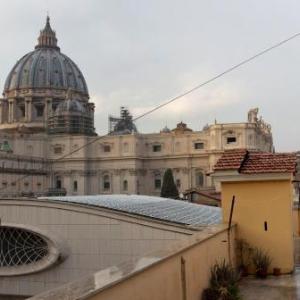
(223, 283)
(261, 261)
(276, 271)
(244, 252)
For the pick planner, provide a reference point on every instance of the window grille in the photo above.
(20, 247)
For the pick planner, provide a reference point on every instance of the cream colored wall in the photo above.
(137, 163)
(94, 240)
(259, 202)
(168, 279)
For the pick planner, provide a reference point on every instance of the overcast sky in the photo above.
(139, 53)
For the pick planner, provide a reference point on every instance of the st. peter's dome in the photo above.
(46, 67)
(39, 83)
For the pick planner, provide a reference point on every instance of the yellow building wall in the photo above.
(259, 202)
(296, 222)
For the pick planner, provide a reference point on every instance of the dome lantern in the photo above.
(47, 38)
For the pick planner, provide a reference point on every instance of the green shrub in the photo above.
(223, 283)
(261, 261)
(169, 188)
(244, 256)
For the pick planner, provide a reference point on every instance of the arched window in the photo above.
(199, 179)
(106, 182)
(125, 185)
(157, 182)
(177, 147)
(58, 184)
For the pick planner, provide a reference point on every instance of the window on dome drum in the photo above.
(22, 110)
(156, 148)
(39, 110)
(231, 140)
(106, 148)
(199, 179)
(75, 186)
(157, 183)
(21, 247)
(54, 106)
(106, 182)
(125, 185)
(199, 146)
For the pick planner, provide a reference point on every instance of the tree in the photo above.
(169, 188)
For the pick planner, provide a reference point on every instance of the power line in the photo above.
(219, 75)
(243, 62)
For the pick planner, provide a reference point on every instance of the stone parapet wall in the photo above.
(180, 272)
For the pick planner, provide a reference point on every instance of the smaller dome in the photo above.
(165, 130)
(71, 117)
(70, 106)
(122, 125)
(181, 128)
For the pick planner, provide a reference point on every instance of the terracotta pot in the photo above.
(276, 271)
(244, 271)
(262, 273)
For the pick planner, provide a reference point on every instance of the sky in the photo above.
(140, 53)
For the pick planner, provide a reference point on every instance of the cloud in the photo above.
(194, 106)
(141, 53)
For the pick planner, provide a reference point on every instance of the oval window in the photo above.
(24, 251)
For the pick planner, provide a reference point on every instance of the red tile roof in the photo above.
(255, 162)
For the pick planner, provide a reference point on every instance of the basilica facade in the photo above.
(48, 143)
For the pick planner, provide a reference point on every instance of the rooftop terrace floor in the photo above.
(285, 287)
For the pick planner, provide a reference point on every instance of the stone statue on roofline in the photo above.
(252, 115)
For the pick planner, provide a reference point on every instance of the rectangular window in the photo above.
(198, 146)
(106, 185)
(157, 183)
(58, 184)
(75, 186)
(156, 148)
(178, 183)
(106, 148)
(125, 185)
(231, 140)
(57, 150)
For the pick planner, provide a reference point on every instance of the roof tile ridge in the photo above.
(245, 159)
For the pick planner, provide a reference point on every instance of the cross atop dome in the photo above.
(47, 38)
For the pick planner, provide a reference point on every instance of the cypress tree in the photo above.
(169, 188)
